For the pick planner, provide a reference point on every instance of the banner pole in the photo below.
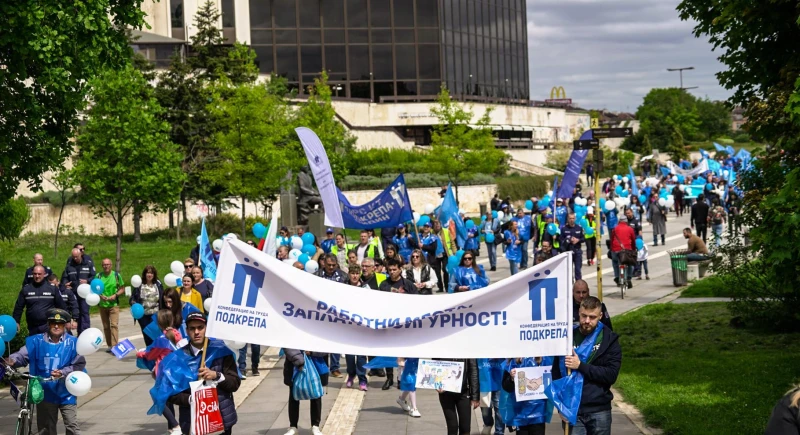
(598, 220)
(203, 357)
(566, 426)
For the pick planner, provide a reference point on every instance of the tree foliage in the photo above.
(461, 147)
(48, 50)
(124, 153)
(14, 215)
(758, 44)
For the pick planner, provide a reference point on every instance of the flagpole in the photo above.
(200, 257)
(203, 357)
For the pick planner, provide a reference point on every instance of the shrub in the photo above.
(377, 162)
(742, 138)
(51, 197)
(557, 159)
(523, 188)
(370, 182)
(14, 215)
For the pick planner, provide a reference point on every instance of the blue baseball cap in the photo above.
(329, 231)
(400, 226)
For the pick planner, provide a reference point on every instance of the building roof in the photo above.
(140, 37)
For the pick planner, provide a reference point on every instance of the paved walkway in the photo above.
(119, 398)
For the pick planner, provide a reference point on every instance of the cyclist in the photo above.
(53, 354)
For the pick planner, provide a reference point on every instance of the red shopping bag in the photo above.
(204, 406)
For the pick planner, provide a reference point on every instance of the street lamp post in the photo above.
(680, 71)
(337, 88)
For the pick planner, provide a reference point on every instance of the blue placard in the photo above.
(123, 348)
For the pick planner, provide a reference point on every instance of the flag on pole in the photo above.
(632, 179)
(207, 262)
(271, 239)
(321, 168)
(449, 213)
(555, 194)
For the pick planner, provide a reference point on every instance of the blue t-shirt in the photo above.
(524, 226)
(513, 252)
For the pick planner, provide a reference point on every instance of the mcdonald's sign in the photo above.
(558, 96)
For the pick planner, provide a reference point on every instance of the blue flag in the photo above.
(574, 166)
(449, 213)
(719, 147)
(704, 153)
(389, 209)
(664, 170)
(632, 179)
(207, 262)
(730, 150)
(555, 194)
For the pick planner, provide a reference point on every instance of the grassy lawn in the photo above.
(708, 287)
(688, 372)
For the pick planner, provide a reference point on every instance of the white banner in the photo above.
(701, 168)
(259, 299)
(321, 168)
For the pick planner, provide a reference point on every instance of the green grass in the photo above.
(689, 372)
(709, 287)
(155, 249)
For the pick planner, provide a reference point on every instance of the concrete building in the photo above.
(387, 59)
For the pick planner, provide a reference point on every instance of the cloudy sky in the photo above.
(610, 53)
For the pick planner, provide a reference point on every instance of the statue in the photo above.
(307, 197)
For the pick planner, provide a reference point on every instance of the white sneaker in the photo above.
(175, 431)
(403, 404)
(414, 413)
(291, 431)
(315, 430)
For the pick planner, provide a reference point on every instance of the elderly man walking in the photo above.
(113, 288)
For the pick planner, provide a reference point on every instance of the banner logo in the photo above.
(558, 96)
(549, 288)
(240, 275)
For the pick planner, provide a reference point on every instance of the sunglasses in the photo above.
(188, 265)
(415, 256)
(468, 258)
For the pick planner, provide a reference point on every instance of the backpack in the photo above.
(717, 217)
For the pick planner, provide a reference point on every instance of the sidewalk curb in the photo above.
(633, 414)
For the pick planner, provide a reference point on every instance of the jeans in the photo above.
(514, 266)
(439, 265)
(47, 418)
(110, 318)
(716, 229)
(701, 232)
(334, 364)
(696, 257)
(591, 248)
(255, 355)
(169, 414)
(497, 421)
(655, 239)
(615, 265)
(643, 265)
(595, 423)
(457, 412)
(492, 249)
(577, 259)
(355, 366)
(524, 248)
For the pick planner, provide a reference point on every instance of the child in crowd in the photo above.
(408, 386)
(642, 259)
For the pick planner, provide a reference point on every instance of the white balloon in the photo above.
(550, 193)
(235, 345)
(670, 203)
(171, 279)
(311, 266)
(670, 197)
(662, 202)
(136, 280)
(625, 178)
(289, 261)
(610, 205)
(207, 305)
(590, 210)
(78, 383)
(294, 254)
(296, 242)
(89, 341)
(217, 245)
(176, 267)
(675, 178)
(429, 208)
(84, 290)
(500, 215)
(92, 299)
(416, 217)
(230, 236)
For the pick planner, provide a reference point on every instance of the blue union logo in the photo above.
(240, 274)
(548, 287)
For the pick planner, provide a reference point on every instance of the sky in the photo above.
(610, 53)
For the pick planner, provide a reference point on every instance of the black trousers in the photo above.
(533, 429)
(294, 410)
(439, 266)
(591, 248)
(701, 232)
(457, 412)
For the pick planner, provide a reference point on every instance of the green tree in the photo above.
(646, 148)
(676, 146)
(317, 114)
(14, 215)
(461, 147)
(664, 110)
(251, 130)
(48, 50)
(124, 154)
(715, 118)
(211, 58)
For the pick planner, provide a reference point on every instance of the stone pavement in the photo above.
(119, 399)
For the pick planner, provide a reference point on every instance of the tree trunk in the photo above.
(119, 241)
(183, 206)
(178, 226)
(172, 218)
(243, 222)
(58, 224)
(137, 222)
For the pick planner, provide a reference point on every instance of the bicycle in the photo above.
(27, 407)
(623, 282)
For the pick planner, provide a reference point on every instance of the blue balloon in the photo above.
(309, 250)
(97, 286)
(618, 190)
(470, 224)
(589, 231)
(424, 219)
(709, 186)
(459, 254)
(602, 204)
(639, 244)
(494, 214)
(625, 193)
(552, 229)
(529, 204)
(137, 311)
(483, 218)
(8, 328)
(308, 239)
(489, 237)
(259, 230)
(642, 199)
(303, 258)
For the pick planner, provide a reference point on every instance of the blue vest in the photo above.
(45, 357)
(327, 244)
(403, 245)
(430, 238)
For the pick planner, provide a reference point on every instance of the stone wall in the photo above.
(79, 218)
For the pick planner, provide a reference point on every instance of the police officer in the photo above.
(69, 299)
(36, 299)
(38, 260)
(571, 238)
(79, 270)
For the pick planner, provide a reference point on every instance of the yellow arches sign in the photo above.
(558, 96)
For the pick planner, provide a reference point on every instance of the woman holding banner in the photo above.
(457, 407)
(529, 417)
(468, 275)
(295, 359)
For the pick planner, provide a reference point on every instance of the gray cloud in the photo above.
(610, 53)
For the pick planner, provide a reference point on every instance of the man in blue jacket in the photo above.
(599, 370)
(53, 354)
(572, 237)
(524, 225)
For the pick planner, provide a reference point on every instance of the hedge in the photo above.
(523, 188)
(369, 182)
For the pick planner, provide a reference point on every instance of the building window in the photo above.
(309, 13)
(176, 13)
(260, 14)
(429, 62)
(406, 62)
(357, 13)
(403, 13)
(427, 13)
(335, 59)
(333, 13)
(228, 14)
(311, 59)
(285, 12)
(380, 13)
(287, 62)
(360, 90)
(383, 89)
(359, 62)
(382, 62)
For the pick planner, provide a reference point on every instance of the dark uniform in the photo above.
(567, 233)
(36, 299)
(29, 274)
(73, 274)
(71, 301)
